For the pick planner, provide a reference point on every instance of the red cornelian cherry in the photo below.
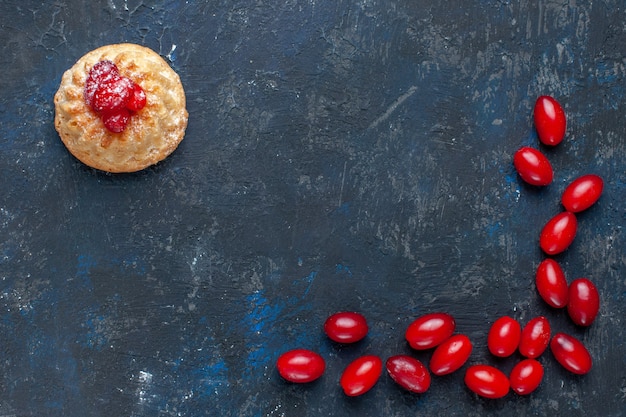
(533, 166)
(346, 327)
(137, 99)
(361, 375)
(584, 302)
(113, 95)
(582, 193)
(487, 381)
(558, 233)
(551, 283)
(430, 330)
(300, 365)
(504, 336)
(116, 121)
(450, 355)
(409, 373)
(526, 376)
(102, 72)
(535, 337)
(571, 353)
(550, 120)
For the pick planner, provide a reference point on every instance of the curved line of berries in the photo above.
(506, 335)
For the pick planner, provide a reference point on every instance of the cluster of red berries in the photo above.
(506, 336)
(113, 96)
(580, 297)
(451, 352)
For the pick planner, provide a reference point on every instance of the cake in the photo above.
(120, 108)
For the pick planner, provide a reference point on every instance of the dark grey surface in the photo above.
(340, 155)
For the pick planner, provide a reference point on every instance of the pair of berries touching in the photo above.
(114, 97)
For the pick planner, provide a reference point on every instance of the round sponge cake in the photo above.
(152, 133)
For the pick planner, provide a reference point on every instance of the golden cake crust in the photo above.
(153, 132)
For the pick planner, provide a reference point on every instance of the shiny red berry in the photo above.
(526, 376)
(346, 327)
(533, 166)
(558, 233)
(361, 375)
(535, 337)
(116, 121)
(409, 373)
(582, 193)
(504, 336)
(451, 355)
(113, 95)
(487, 381)
(549, 120)
(137, 100)
(102, 72)
(430, 330)
(300, 365)
(571, 353)
(584, 302)
(551, 283)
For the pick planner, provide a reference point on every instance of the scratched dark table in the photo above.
(340, 155)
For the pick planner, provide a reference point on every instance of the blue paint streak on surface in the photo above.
(344, 209)
(511, 177)
(343, 270)
(260, 323)
(511, 190)
(130, 261)
(83, 270)
(605, 74)
(493, 229)
(308, 281)
(211, 378)
(94, 337)
(267, 335)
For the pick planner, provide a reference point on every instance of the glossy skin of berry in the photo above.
(487, 381)
(450, 355)
(526, 376)
(535, 337)
(582, 193)
(571, 353)
(346, 327)
(533, 166)
(558, 233)
(504, 336)
(550, 120)
(113, 95)
(584, 302)
(551, 283)
(102, 72)
(300, 365)
(116, 121)
(409, 373)
(137, 100)
(361, 375)
(430, 330)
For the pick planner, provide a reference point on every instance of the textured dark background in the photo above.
(340, 155)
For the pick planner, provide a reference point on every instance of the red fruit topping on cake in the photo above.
(116, 121)
(137, 99)
(113, 96)
(101, 72)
